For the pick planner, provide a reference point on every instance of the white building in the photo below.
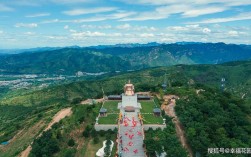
(129, 100)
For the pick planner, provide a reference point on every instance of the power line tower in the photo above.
(222, 84)
(164, 85)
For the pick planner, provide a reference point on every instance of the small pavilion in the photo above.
(102, 112)
(156, 112)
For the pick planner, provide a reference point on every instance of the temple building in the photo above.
(129, 100)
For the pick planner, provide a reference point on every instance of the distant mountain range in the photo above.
(16, 51)
(120, 57)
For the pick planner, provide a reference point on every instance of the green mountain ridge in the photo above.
(71, 60)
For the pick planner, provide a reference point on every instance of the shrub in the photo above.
(86, 133)
(71, 143)
(96, 140)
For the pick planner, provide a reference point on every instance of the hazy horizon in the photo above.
(114, 45)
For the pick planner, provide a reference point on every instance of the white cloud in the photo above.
(233, 33)
(79, 35)
(164, 12)
(105, 27)
(193, 30)
(28, 25)
(159, 13)
(116, 35)
(66, 27)
(90, 19)
(97, 26)
(5, 8)
(26, 2)
(124, 26)
(73, 31)
(177, 28)
(72, 1)
(113, 16)
(189, 2)
(56, 37)
(30, 33)
(144, 28)
(203, 11)
(89, 26)
(146, 35)
(38, 15)
(193, 26)
(51, 21)
(206, 30)
(150, 2)
(120, 14)
(145, 16)
(88, 11)
(1, 32)
(242, 16)
(190, 8)
(137, 28)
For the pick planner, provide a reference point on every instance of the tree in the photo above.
(86, 133)
(70, 152)
(108, 137)
(76, 100)
(96, 140)
(107, 150)
(46, 145)
(93, 133)
(71, 142)
(81, 119)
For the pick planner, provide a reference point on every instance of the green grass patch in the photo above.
(93, 148)
(110, 119)
(111, 106)
(147, 106)
(151, 119)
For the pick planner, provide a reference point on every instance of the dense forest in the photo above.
(215, 119)
(164, 141)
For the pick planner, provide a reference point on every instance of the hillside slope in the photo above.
(107, 59)
(20, 112)
(62, 61)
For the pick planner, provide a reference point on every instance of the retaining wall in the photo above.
(104, 127)
(153, 126)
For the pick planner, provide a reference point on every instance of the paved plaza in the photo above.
(130, 136)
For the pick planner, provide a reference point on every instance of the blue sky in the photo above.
(40, 23)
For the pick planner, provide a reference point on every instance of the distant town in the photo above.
(28, 81)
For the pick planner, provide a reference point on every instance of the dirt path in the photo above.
(60, 115)
(26, 152)
(168, 105)
(90, 101)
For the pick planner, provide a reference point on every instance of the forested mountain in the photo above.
(121, 58)
(63, 61)
(199, 113)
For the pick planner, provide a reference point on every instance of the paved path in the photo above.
(131, 137)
